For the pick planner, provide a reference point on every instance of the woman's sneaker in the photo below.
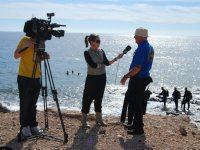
(26, 132)
(36, 130)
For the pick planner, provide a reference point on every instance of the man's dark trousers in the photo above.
(136, 90)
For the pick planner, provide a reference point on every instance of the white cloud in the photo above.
(91, 11)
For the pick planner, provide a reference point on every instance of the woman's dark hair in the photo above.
(90, 38)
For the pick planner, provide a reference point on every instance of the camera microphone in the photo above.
(55, 25)
(128, 48)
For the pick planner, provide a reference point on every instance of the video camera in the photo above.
(43, 29)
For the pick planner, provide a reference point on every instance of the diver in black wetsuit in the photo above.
(164, 95)
(176, 96)
(186, 99)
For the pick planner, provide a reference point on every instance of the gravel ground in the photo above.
(161, 132)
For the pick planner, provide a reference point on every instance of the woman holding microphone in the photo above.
(96, 78)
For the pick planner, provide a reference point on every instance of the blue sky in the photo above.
(161, 17)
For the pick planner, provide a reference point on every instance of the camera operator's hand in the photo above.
(22, 47)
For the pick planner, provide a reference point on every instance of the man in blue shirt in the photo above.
(139, 79)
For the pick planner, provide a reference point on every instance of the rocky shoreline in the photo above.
(3, 109)
(161, 132)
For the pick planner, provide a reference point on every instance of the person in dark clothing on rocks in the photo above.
(186, 99)
(147, 95)
(96, 78)
(139, 74)
(164, 95)
(176, 96)
(124, 112)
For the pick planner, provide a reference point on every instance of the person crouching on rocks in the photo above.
(96, 78)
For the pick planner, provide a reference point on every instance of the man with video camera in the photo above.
(139, 79)
(29, 85)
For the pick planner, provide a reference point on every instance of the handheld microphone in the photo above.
(128, 48)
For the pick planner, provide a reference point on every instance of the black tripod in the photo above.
(38, 56)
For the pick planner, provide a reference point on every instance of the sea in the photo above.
(176, 64)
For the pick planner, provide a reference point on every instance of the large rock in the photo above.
(4, 109)
(183, 131)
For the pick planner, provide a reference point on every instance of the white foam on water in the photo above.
(112, 103)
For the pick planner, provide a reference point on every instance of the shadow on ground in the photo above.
(137, 142)
(86, 140)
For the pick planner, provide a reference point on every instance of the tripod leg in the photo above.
(45, 108)
(45, 94)
(62, 123)
(54, 93)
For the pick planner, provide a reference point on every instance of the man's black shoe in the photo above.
(127, 126)
(131, 127)
(135, 132)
